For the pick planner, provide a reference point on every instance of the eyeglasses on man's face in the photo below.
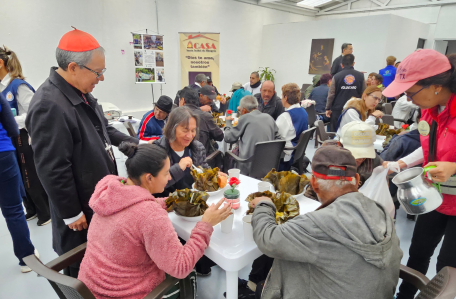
(99, 74)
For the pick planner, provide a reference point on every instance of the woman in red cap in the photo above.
(428, 79)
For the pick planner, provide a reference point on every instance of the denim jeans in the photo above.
(11, 205)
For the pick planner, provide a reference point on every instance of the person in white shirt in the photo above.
(254, 85)
(404, 110)
(292, 122)
(361, 109)
(19, 94)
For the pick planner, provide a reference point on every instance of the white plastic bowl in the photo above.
(189, 219)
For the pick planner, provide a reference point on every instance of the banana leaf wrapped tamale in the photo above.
(287, 181)
(287, 206)
(208, 180)
(187, 203)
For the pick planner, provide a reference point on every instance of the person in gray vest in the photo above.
(345, 85)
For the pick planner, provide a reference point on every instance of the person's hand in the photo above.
(377, 113)
(185, 163)
(229, 118)
(223, 100)
(328, 113)
(206, 108)
(150, 141)
(442, 172)
(79, 224)
(256, 200)
(214, 215)
(400, 162)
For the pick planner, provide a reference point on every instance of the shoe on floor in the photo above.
(43, 222)
(244, 292)
(203, 274)
(29, 216)
(26, 269)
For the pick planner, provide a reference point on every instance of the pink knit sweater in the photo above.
(132, 243)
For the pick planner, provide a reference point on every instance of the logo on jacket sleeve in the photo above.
(349, 79)
(10, 96)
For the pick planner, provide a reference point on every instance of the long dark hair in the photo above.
(143, 158)
(445, 79)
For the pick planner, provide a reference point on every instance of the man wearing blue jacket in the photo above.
(389, 72)
(153, 122)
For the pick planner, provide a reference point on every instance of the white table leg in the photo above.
(231, 284)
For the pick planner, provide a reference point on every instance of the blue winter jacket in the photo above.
(236, 98)
(388, 74)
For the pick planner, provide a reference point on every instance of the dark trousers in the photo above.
(11, 205)
(36, 200)
(429, 230)
(204, 264)
(260, 268)
(334, 118)
(72, 270)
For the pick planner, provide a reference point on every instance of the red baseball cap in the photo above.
(78, 41)
(419, 65)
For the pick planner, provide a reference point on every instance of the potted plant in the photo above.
(232, 194)
(266, 73)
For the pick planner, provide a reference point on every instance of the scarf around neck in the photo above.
(256, 84)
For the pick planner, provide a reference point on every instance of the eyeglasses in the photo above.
(411, 97)
(99, 74)
(376, 98)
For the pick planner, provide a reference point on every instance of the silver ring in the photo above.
(75, 229)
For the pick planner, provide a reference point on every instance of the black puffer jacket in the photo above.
(198, 155)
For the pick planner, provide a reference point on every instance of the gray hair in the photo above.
(200, 78)
(329, 185)
(179, 116)
(250, 103)
(64, 58)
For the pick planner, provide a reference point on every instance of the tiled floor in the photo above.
(15, 285)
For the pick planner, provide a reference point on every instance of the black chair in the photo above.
(386, 119)
(215, 160)
(322, 135)
(312, 114)
(68, 287)
(300, 148)
(387, 108)
(266, 156)
(304, 87)
(130, 129)
(442, 286)
(393, 103)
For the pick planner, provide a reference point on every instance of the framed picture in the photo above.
(321, 52)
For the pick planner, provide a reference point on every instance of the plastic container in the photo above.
(232, 196)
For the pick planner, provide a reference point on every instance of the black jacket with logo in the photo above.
(345, 85)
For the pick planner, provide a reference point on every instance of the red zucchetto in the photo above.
(78, 41)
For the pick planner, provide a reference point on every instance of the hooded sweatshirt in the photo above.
(132, 243)
(348, 249)
(309, 89)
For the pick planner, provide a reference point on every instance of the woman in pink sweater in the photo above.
(131, 241)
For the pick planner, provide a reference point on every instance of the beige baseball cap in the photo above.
(236, 86)
(359, 137)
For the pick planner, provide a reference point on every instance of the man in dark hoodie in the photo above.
(347, 248)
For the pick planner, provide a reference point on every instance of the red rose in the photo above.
(234, 181)
(229, 111)
(405, 126)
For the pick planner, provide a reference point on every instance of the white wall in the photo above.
(441, 19)
(286, 47)
(35, 28)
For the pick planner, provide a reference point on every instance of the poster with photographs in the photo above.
(149, 58)
(321, 52)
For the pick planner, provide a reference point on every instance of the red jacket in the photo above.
(132, 243)
(446, 142)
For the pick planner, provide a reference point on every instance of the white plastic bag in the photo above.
(376, 188)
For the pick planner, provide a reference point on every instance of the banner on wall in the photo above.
(199, 54)
(149, 58)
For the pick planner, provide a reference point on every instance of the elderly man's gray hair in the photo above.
(200, 78)
(329, 185)
(64, 58)
(250, 103)
(179, 116)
